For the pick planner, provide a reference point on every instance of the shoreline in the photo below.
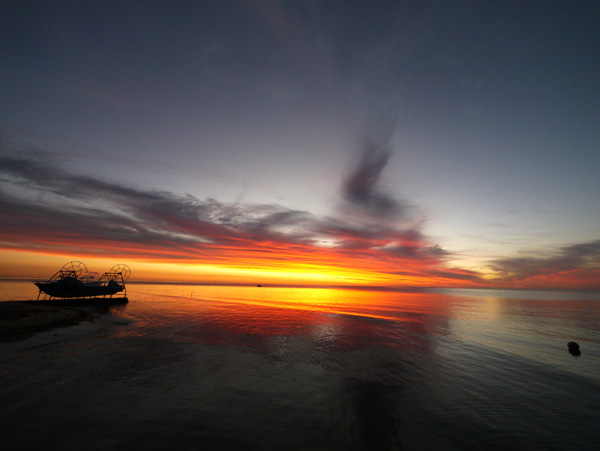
(21, 319)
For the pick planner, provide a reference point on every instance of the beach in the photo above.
(19, 319)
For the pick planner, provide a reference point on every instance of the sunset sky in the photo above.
(346, 143)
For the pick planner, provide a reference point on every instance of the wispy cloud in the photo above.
(371, 236)
(49, 209)
(578, 264)
(362, 189)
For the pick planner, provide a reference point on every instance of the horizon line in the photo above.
(407, 288)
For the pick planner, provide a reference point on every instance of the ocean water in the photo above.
(193, 367)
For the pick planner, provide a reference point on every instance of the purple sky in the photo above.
(485, 115)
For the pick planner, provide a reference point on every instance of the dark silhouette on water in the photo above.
(573, 348)
(72, 282)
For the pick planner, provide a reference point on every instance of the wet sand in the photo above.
(19, 319)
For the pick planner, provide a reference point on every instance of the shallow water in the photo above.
(279, 368)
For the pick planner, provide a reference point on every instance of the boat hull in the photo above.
(72, 290)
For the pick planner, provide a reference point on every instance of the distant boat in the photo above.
(74, 282)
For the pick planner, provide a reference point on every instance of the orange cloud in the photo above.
(370, 239)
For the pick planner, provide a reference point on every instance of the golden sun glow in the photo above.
(20, 264)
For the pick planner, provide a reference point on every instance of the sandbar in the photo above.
(19, 319)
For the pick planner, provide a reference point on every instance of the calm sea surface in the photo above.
(192, 367)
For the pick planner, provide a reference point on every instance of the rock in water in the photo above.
(573, 348)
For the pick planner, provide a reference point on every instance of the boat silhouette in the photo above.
(73, 281)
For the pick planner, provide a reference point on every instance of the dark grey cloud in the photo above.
(362, 189)
(458, 274)
(40, 199)
(44, 204)
(567, 258)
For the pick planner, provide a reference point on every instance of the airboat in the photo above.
(73, 282)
